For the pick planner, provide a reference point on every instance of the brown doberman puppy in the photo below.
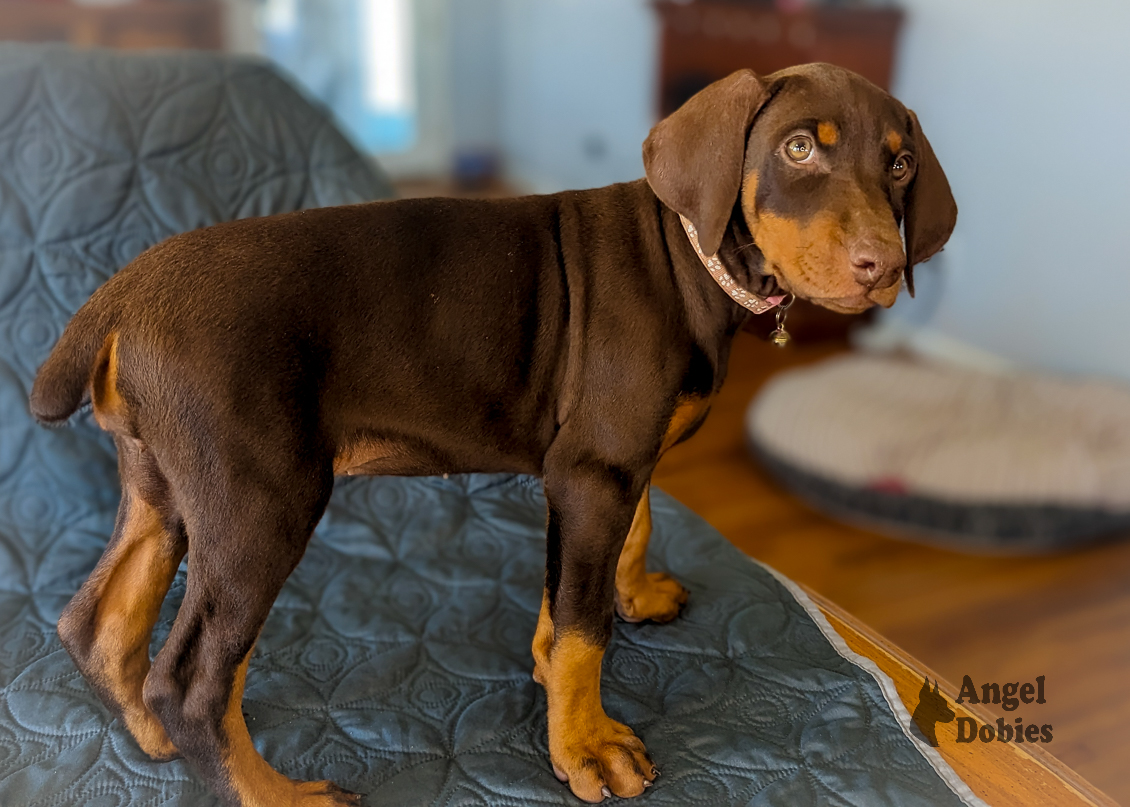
(575, 336)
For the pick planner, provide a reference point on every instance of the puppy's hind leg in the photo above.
(107, 626)
(241, 550)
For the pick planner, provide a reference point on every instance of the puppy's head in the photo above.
(822, 165)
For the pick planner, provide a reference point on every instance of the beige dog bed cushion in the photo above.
(1017, 462)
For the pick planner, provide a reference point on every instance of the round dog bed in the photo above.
(1007, 463)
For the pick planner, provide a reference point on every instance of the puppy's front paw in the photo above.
(603, 760)
(657, 596)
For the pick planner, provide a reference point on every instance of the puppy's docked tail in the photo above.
(64, 382)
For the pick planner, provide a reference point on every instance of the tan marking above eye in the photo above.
(827, 133)
(894, 140)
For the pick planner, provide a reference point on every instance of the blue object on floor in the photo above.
(396, 661)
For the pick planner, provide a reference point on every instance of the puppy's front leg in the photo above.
(591, 505)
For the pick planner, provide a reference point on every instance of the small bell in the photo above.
(780, 337)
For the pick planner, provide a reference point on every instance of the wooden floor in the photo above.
(1065, 617)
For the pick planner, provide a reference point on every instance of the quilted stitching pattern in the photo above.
(396, 660)
(101, 156)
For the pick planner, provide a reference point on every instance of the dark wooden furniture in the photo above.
(706, 40)
(140, 24)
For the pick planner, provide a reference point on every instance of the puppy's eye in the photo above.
(900, 168)
(800, 149)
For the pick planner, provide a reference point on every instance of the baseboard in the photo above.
(889, 334)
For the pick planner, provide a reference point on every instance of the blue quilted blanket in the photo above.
(396, 660)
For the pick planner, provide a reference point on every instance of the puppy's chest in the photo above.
(700, 383)
(690, 412)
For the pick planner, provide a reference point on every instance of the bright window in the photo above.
(356, 56)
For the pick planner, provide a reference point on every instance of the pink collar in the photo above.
(746, 299)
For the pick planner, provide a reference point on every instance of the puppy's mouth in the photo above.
(842, 305)
(768, 288)
(774, 288)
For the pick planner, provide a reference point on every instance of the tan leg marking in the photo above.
(597, 756)
(370, 456)
(656, 596)
(110, 621)
(543, 641)
(640, 595)
(126, 590)
(254, 781)
(688, 411)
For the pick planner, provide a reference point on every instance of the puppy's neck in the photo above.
(741, 256)
(712, 317)
(709, 307)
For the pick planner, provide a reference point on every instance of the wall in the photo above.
(1027, 105)
(476, 73)
(572, 83)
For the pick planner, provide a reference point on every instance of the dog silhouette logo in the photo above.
(932, 708)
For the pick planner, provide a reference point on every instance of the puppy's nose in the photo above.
(875, 264)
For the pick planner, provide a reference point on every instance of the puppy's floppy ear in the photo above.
(931, 212)
(693, 158)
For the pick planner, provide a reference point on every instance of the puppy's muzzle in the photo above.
(876, 264)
